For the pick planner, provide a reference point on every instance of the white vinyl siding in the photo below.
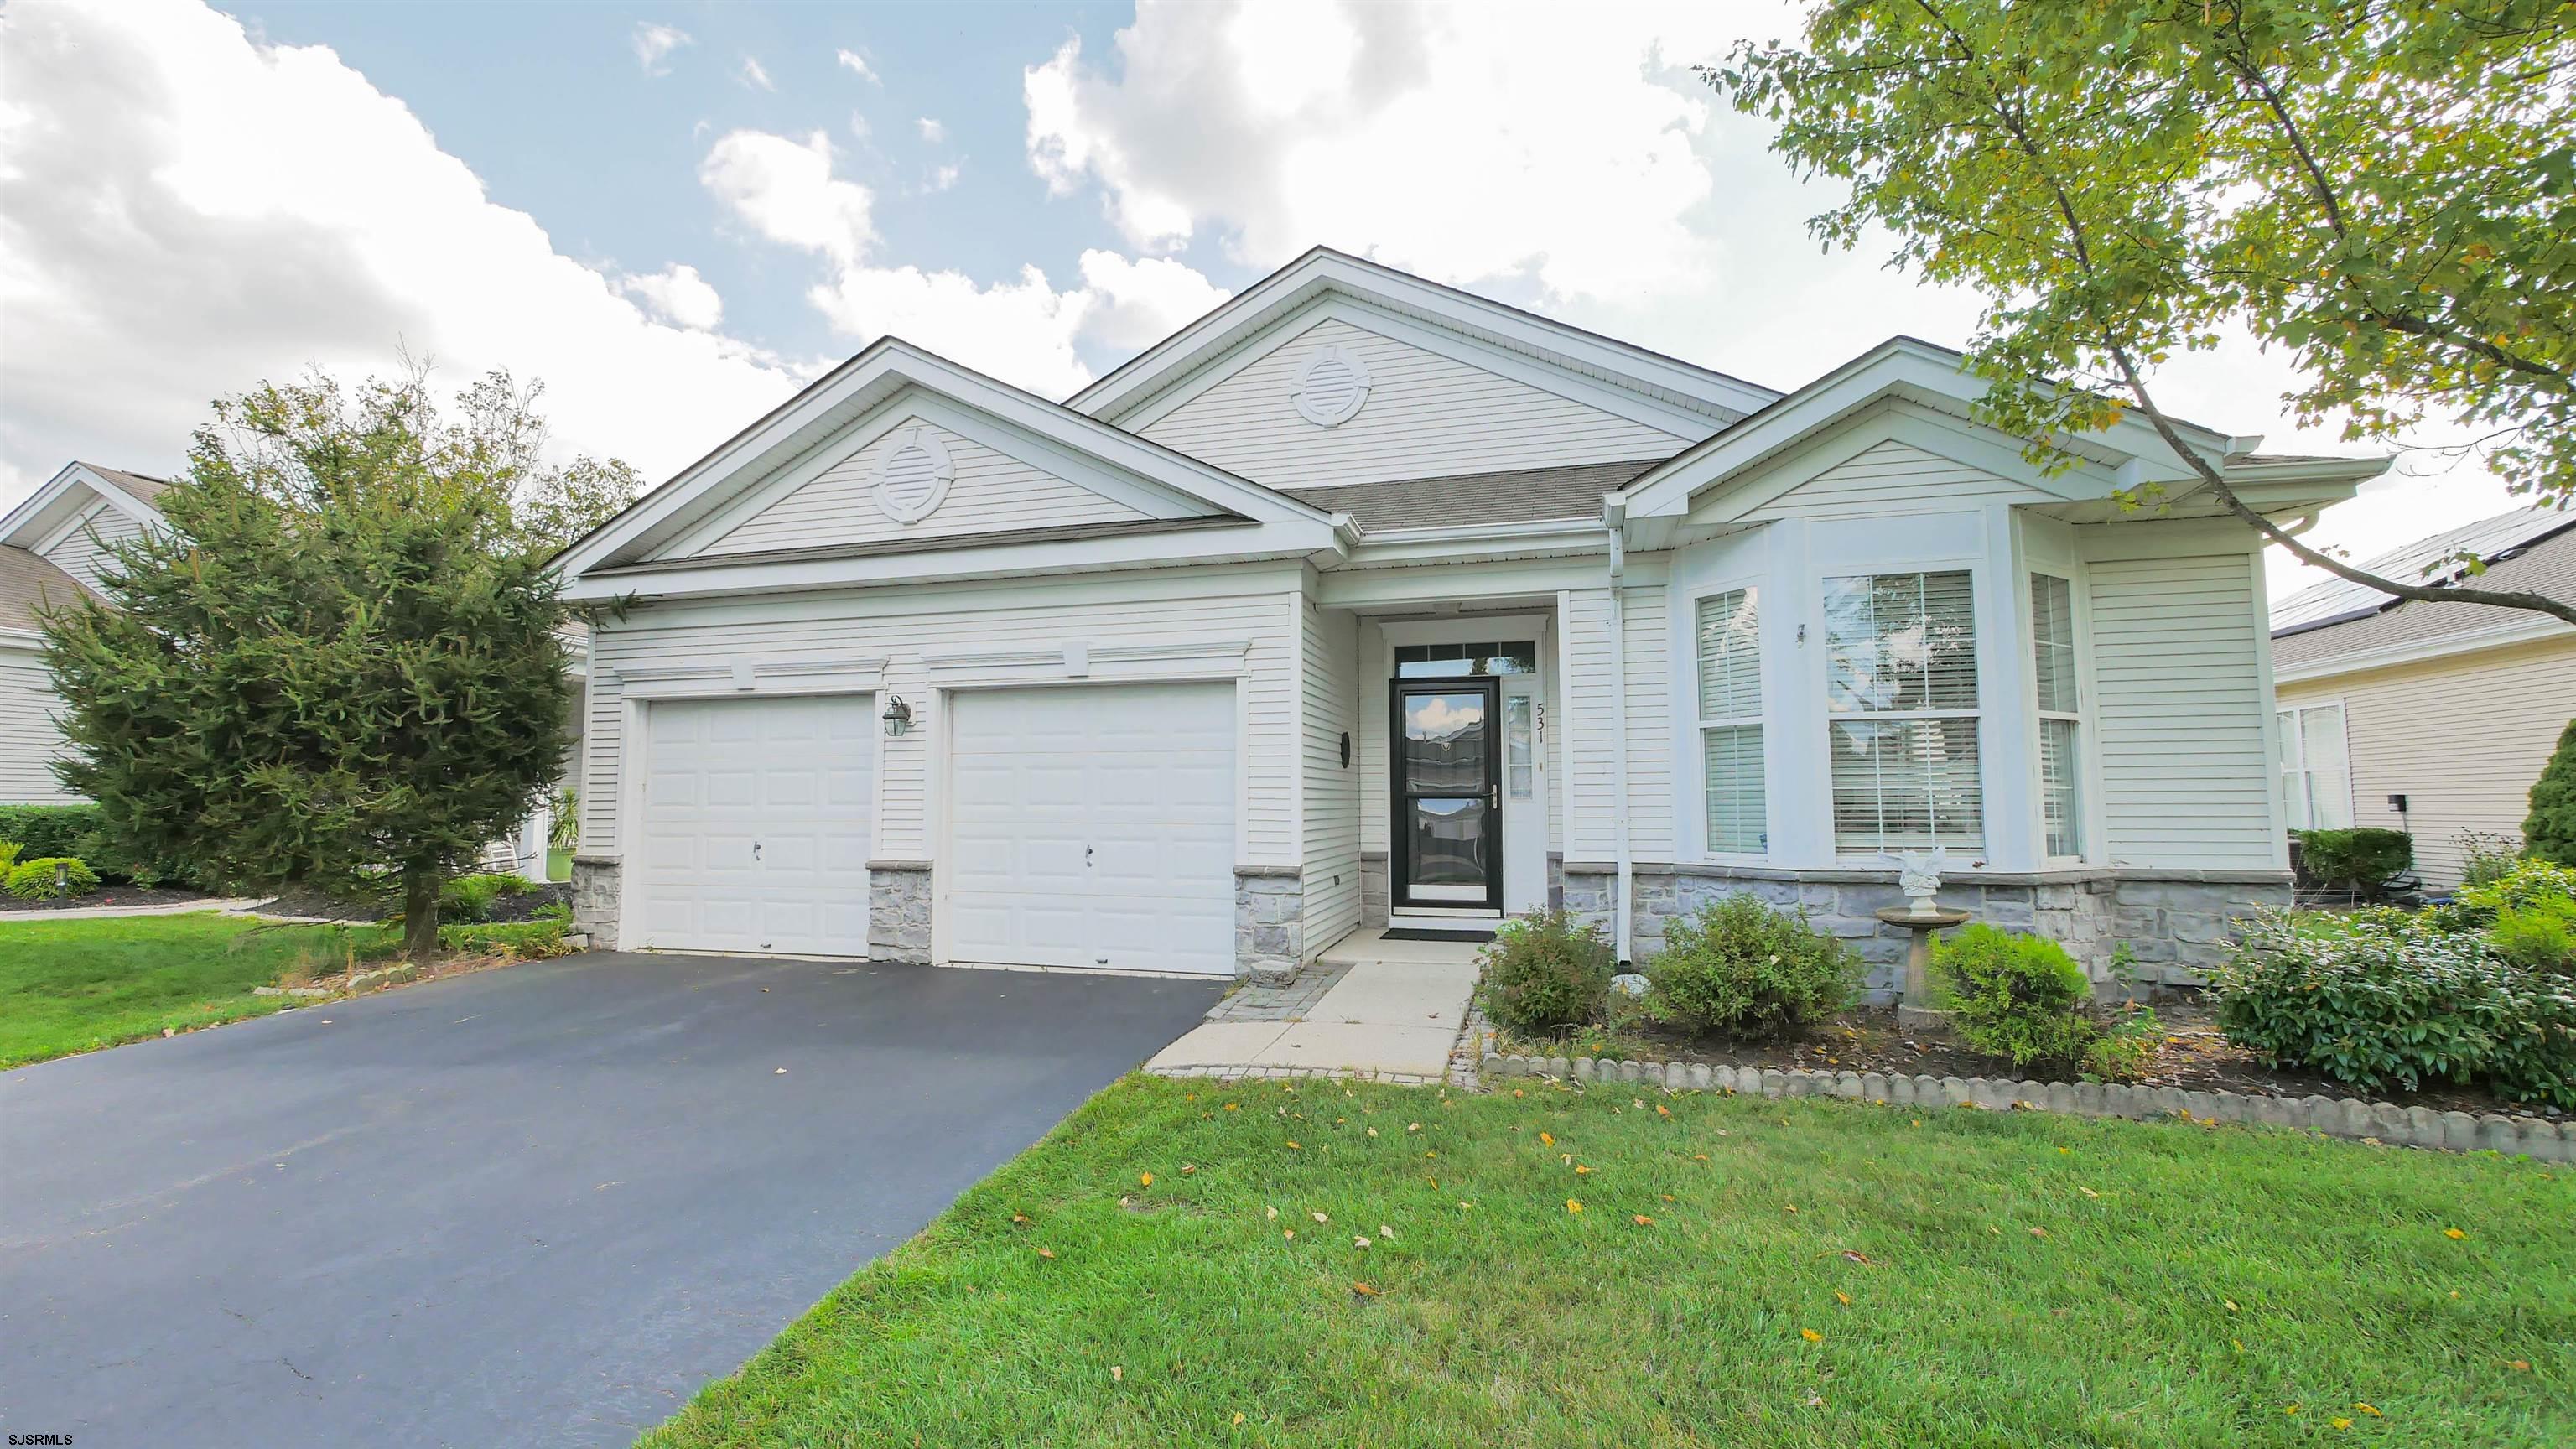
(2180, 707)
(1901, 696)
(1330, 703)
(1158, 608)
(1729, 642)
(992, 493)
(1592, 833)
(82, 553)
(2061, 726)
(29, 743)
(1893, 477)
(2316, 767)
(1427, 416)
(2460, 769)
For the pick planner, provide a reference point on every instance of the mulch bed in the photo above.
(124, 895)
(2196, 1058)
(526, 904)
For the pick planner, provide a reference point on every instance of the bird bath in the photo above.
(1919, 876)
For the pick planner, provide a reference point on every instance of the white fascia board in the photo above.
(1467, 542)
(1150, 371)
(1418, 585)
(2415, 651)
(750, 574)
(1902, 367)
(44, 514)
(884, 367)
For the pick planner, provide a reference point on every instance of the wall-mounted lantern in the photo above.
(898, 716)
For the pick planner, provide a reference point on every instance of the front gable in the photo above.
(1345, 393)
(900, 466)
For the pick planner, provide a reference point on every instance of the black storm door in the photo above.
(1447, 841)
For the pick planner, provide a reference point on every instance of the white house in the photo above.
(53, 546)
(1362, 599)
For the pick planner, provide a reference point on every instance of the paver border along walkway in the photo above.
(1391, 1011)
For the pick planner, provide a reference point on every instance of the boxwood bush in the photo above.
(1740, 967)
(2019, 997)
(48, 830)
(1546, 975)
(2363, 860)
(2382, 998)
(51, 878)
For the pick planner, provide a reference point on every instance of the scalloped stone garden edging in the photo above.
(2385, 1122)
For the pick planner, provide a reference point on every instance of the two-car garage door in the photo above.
(1093, 826)
(1087, 826)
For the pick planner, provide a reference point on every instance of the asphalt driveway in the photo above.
(540, 1205)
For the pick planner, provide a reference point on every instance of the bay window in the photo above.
(2061, 720)
(1730, 722)
(1901, 695)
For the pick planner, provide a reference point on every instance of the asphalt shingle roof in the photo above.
(2544, 567)
(1521, 495)
(28, 579)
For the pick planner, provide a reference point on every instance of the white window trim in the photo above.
(2087, 826)
(1754, 585)
(1978, 583)
(2293, 756)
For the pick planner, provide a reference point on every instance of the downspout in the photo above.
(1614, 515)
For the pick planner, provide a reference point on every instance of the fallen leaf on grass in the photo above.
(2453, 1233)
(1187, 1169)
(1117, 1375)
(1572, 1206)
(1292, 1144)
(1046, 1252)
(2230, 1302)
(1020, 1218)
(1581, 1171)
(1361, 1243)
(1642, 1220)
(1547, 1139)
(1238, 1417)
(2520, 1366)
(1861, 1258)
(1413, 1127)
(2340, 1423)
(1386, 1232)
(2088, 1192)
(1810, 1335)
(1319, 1217)
(2039, 1232)
(1843, 1297)
(1362, 1289)
(2367, 1409)
(1145, 1179)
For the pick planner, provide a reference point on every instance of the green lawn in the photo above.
(1813, 1273)
(70, 986)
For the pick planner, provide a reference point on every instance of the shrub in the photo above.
(1547, 974)
(2484, 856)
(2528, 884)
(48, 830)
(1739, 966)
(470, 897)
(36, 880)
(2363, 860)
(2013, 996)
(2377, 998)
(9, 853)
(2125, 1050)
(2549, 832)
(521, 940)
(2537, 937)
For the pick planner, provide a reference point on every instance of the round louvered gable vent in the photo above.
(913, 476)
(1332, 387)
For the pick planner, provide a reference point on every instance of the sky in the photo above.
(675, 215)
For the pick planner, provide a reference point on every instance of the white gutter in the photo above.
(1614, 516)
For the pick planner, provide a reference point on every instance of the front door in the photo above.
(1448, 799)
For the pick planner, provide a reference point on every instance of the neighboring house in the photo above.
(1362, 599)
(52, 547)
(2451, 709)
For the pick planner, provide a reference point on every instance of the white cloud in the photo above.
(1142, 301)
(754, 75)
(184, 212)
(859, 64)
(1022, 330)
(654, 44)
(786, 190)
(677, 295)
(931, 130)
(859, 128)
(944, 177)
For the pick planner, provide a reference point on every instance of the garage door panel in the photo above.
(794, 776)
(1093, 826)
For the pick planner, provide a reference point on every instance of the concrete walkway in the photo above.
(230, 907)
(1394, 1013)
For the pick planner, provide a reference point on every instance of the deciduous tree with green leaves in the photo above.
(2384, 188)
(341, 666)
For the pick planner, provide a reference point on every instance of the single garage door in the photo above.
(755, 829)
(1093, 826)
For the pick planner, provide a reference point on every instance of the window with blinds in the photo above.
(2061, 720)
(1901, 689)
(1730, 722)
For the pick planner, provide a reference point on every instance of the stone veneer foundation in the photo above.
(899, 911)
(1270, 921)
(2176, 924)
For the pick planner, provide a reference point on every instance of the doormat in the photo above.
(1416, 933)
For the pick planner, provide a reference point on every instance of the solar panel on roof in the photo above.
(2343, 599)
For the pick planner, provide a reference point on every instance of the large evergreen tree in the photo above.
(341, 668)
